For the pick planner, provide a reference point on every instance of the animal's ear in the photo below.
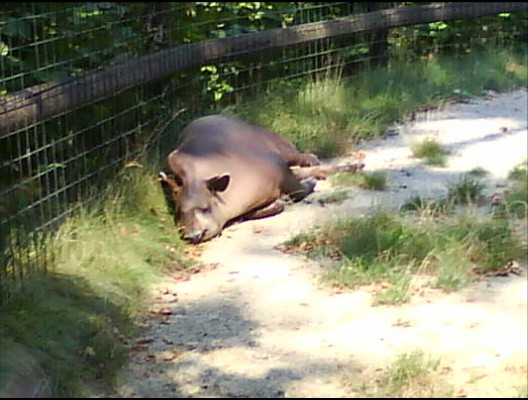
(218, 183)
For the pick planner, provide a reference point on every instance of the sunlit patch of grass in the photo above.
(430, 150)
(453, 268)
(336, 197)
(386, 247)
(411, 375)
(366, 180)
(399, 281)
(516, 199)
(74, 320)
(329, 115)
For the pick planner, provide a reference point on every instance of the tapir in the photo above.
(226, 170)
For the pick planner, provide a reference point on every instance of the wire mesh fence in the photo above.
(53, 164)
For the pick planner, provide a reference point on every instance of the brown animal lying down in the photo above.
(226, 170)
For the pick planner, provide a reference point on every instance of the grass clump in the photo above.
(330, 114)
(516, 199)
(365, 180)
(430, 150)
(384, 247)
(336, 197)
(467, 190)
(74, 320)
(426, 206)
(413, 375)
(478, 172)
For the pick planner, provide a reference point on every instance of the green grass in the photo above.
(330, 115)
(388, 247)
(426, 206)
(73, 320)
(466, 190)
(430, 150)
(336, 197)
(412, 375)
(478, 172)
(516, 199)
(399, 281)
(365, 180)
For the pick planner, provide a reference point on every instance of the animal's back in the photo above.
(224, 134)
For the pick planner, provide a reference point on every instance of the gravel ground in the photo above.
(256, 322)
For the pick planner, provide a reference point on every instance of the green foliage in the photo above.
(459, 37)
(318, 116)
(74, 319)
(336, 197)
(412, 375)
(431, 150)
(515, 201)
(398, 291)
(426, 206)
(384, 247)
(467, 190)
(366, 180)
(478, 172)
(517, 198)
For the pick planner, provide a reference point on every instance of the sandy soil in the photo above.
(257, 323)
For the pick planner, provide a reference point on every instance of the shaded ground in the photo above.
(256, 322)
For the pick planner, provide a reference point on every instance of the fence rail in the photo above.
(45, 101)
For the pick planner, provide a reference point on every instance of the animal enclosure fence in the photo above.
(87, 88)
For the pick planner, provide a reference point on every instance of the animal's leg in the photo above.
(272, 209)
(322, 171)
(307, 160)
(296, 189)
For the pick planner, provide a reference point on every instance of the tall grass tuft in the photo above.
(329, 115)
(75, 319)
(386, 247)
(430, 150)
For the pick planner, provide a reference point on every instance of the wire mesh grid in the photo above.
(52, 166)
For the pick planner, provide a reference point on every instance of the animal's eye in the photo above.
(204, 210)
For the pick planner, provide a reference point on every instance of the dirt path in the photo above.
(257, 324)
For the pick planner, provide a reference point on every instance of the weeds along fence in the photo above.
(87, 88)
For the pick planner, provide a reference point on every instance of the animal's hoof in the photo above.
(355, 167)
(309, 184)
(309, 160)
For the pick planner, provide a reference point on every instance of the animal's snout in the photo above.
(194, 237)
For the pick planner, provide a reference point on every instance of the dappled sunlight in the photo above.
(261, 324)
(497, 138)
